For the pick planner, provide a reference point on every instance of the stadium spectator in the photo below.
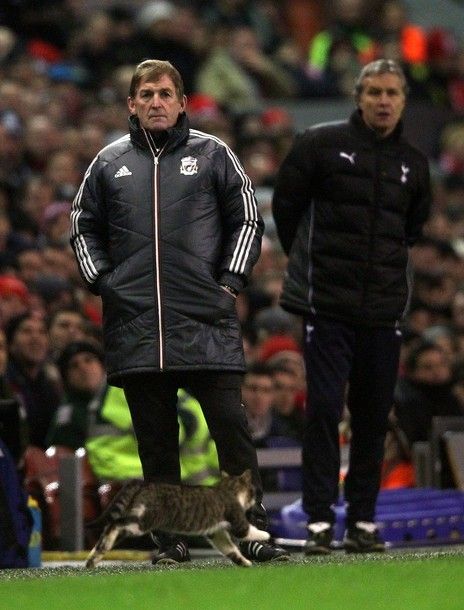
(13, 168)
(13, 425)
(91, 48)
(55, 224)
(66, 325)
(342, 48)
(14, 298)
(91, 139)
(293, 361)
(444, 337)
(287, 414)
(206, 115)
(405, 42)
(258, 396)
(36, 195)
(42, 138)
(259, 158)
(442, 54)
(173, 33)
(266, 19)
(63, 172)
(29, 264)
(424, 390)
(94, 415)
(451, 157)
(30, 375)
(239, 75)
(55, 292)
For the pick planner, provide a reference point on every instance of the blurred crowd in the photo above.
(64, 80)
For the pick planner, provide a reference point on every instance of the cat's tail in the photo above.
(118, 505)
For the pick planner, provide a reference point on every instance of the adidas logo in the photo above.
(123, 171)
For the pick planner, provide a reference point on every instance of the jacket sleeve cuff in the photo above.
(233, 279)
(95, 288)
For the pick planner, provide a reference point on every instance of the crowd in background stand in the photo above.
(64, 79)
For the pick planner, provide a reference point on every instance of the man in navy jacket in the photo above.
(350, 200)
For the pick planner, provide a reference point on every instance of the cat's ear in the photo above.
(246, 475)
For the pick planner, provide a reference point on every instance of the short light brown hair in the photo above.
(378, 67)
(152, 70)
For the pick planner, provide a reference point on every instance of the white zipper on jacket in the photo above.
(156, 152)
(157, 260)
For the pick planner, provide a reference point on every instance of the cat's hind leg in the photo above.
(104, 544)
(224, 543)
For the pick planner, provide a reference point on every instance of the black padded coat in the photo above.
(347, 206)
(154, 233)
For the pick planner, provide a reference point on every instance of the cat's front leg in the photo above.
(254, 533)
(93, 558)
(224, 543)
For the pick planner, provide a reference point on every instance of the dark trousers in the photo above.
(152, 400)
(358, 366)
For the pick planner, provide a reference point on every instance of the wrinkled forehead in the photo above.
(386, 81)
(156, 82)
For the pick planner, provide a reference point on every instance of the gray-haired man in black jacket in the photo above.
(350, 200)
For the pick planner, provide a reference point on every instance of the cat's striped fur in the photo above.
(215, 512)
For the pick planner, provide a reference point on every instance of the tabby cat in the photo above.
(142, 507)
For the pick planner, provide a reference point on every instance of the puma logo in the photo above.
(349, 157)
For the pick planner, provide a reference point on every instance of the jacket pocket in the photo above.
(211, 306)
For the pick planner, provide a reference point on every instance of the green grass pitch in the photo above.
(397, 580)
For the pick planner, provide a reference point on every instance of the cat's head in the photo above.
(241, 487)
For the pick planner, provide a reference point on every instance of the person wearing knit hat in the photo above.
(276, 344)
(74, 348)
(94, 415)
(14, 298)
(9, 284)
(274, 320)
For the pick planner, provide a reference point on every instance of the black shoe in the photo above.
(319, 539)
(177, 553)
(363, 537)
(262, 551)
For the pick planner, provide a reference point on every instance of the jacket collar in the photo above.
(369, 134)
(175, 135)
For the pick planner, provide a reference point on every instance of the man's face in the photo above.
(67, 326)
(257, 394)
(156, 104)
(285, 390)
(11, 305)
(382, 102)
(85, 372)
(432, 368)
(30, 342)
